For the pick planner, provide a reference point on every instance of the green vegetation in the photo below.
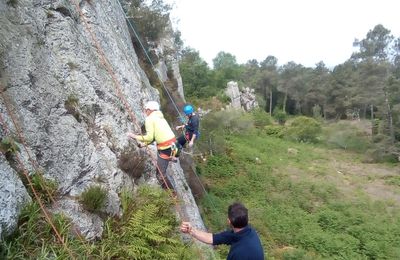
(13, 3)
(280, 116)
(93, 198)
(150, 18)
(147, 230)
(8, 146)
(304, 129)
(261, 118)
(346, 136)
(72, 66)
(303, 204)
(45, 188)
(72, 106)
(132, 161)
(34, 238)
(366, 86)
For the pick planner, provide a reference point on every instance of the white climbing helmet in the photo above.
(152, 105)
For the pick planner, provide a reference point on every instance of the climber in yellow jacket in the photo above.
(158, 130)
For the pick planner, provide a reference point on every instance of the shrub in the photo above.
(346, 136)
(317, 111)
(375, 127)
(261, 118)
(275, 130)
(71, 105)
(223, 98)
(45, 188)
(34, 238)
(280, 116)
(132, 162)
(93, 198)
(380, 154)
(8, 147)
(228, 121)
(392, 180)
(147, 230)
(219, 166)
(216, 123)
(304, 129)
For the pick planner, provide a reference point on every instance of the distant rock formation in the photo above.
(245, 99)
(248, 99)
(232, 91)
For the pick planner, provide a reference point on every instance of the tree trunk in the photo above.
(270, 101)
(284, 102)
(364, 115)
(390, 117)
(372, 112)
(266, 98)
(298, 107)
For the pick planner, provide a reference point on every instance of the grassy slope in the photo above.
(313, 204)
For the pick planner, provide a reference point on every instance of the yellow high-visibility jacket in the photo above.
(157, 129)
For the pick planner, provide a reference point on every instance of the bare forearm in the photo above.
(202, 236)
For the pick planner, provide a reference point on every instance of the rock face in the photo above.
(168, 63)
(71, 88)
(245, 99)
(248, 99)
(232, 91)
(12, 197)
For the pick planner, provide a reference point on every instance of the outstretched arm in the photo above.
(202, 236)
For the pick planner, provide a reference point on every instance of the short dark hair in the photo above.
(237, 214)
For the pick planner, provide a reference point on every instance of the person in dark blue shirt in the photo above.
(243, 239)
(191, 127)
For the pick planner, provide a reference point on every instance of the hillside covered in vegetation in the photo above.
(312, 199)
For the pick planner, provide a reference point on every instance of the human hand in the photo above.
(131, 135)
(178, 127)
(186, 227)
(191, 144)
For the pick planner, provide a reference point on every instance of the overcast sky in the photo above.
(303, 31)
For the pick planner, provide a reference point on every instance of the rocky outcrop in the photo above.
(232, 91)
(13, 197)
(168, 64)
(71, 86)
(248, 99)
(245, 98)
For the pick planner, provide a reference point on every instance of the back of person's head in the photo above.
(237, 214)
(152, 105)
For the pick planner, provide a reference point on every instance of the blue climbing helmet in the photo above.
(188, 109)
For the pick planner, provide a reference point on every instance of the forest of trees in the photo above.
(366, 86)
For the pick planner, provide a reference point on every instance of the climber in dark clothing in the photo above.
(191, 128)
(243, 239)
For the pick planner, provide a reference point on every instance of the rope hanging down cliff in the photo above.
(26, 173)
(118, 87)
(150, 61)
(181, 117)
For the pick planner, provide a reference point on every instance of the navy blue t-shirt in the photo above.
(192, 125)
(245, 244)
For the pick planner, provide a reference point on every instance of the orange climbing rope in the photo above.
(26, 174)
(22, 139)
(118, 87)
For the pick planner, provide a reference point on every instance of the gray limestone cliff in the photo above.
(71, 88)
